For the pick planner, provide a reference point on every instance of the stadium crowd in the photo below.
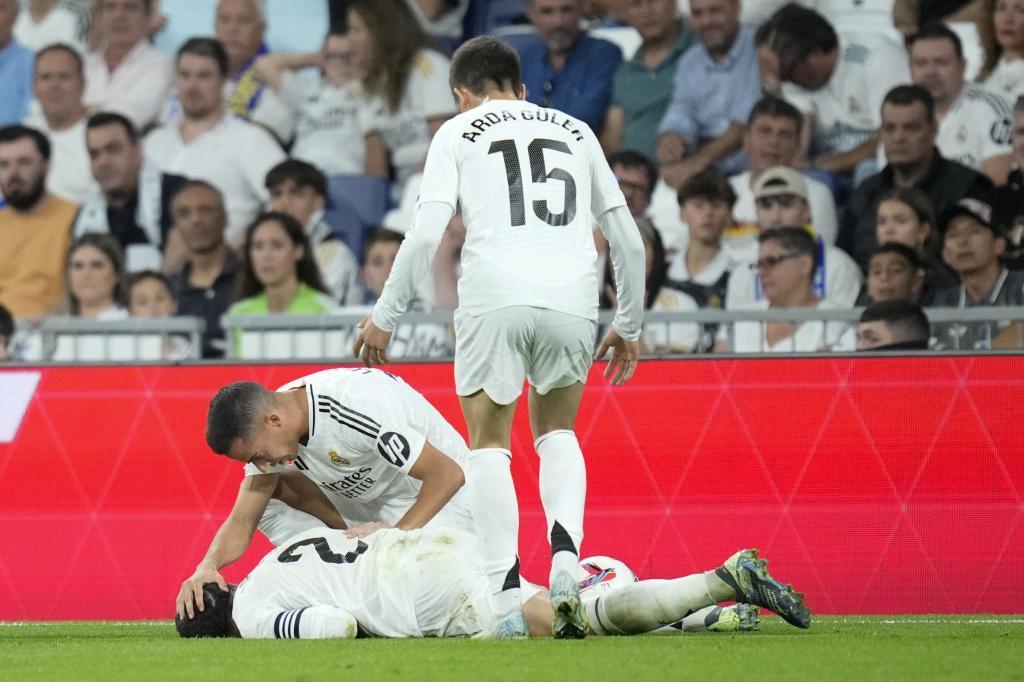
(162, 159)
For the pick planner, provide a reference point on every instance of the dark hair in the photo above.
(103, 119)
(629, 158)
(794, 33)
(16, 132)
(907, 95)
(654, 280)
(301, 173)
(215, 618)
(66, 49)
(110, 248)
(483, 63)
(6, 323)
(142, 275)
(937, 31)
(192, 184)
(233, 413)
(708, 184)
(398, 38)
(306, 269)
(921, 205)
(776, 107)
(147, 5)
(901, 250)
(381, 235)
(210, 48)
(793, 239)
(905, 319)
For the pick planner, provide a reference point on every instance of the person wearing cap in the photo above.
(972, 245)
(895, 272)
(773, 139)
(780, 195)
(893, 325)
(908, 136)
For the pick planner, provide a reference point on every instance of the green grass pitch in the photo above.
(834, 649)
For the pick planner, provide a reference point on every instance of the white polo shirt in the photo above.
(138, 88)
(234, 156)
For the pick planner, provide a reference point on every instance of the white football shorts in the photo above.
(499, 350)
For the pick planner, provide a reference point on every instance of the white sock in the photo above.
(492, 500)
(695, 621)
(647, 605)
(563, 492)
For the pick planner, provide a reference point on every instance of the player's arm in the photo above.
(411, 265)
(313, 622)
(441, 478)
(626, 249)
(232, 539)
(298, 492)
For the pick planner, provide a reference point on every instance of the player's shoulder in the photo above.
(327, 379)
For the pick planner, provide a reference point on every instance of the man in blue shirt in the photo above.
(716, 86)
(16, 64)
(563, 67)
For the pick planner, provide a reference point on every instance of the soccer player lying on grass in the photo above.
(432, 583)
(361, 438)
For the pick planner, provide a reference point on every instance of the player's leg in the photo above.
(489, 375)
(648, 605)
(560, 362)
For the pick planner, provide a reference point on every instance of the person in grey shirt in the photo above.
(972, 245)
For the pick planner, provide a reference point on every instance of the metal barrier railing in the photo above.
(430, 335)
(72, 339)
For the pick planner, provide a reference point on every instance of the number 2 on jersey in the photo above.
(323, 550)
(540, 174)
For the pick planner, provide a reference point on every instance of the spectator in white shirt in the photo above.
(46, 22)
(837, 81)
(407, 85)
(300, 190)
(1003, 41)
(59, 84)
(209, 144)
(326, 105)
(975, 123)
(781, 198)
(773, 139)
(786, 264)
(128, 76)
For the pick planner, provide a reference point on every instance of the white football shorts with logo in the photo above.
(498, 350)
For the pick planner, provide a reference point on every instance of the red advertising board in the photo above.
(873, 485)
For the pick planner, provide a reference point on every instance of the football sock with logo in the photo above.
(492, 501)
(563, 492)
(647, 605)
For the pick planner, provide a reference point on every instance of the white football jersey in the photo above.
(978, 126)
(848, 110)
(367, 428)
(320, 584)
(529, 181)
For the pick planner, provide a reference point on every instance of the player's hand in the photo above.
(191, 593)
(371, 342)
(625, 355)
(364, 529)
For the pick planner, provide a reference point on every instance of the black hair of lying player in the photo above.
(215, 618)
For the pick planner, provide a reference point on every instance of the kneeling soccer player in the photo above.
(432, 583)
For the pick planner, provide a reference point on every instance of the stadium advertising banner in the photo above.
(873, 485)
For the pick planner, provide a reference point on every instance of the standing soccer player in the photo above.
(530, 183)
